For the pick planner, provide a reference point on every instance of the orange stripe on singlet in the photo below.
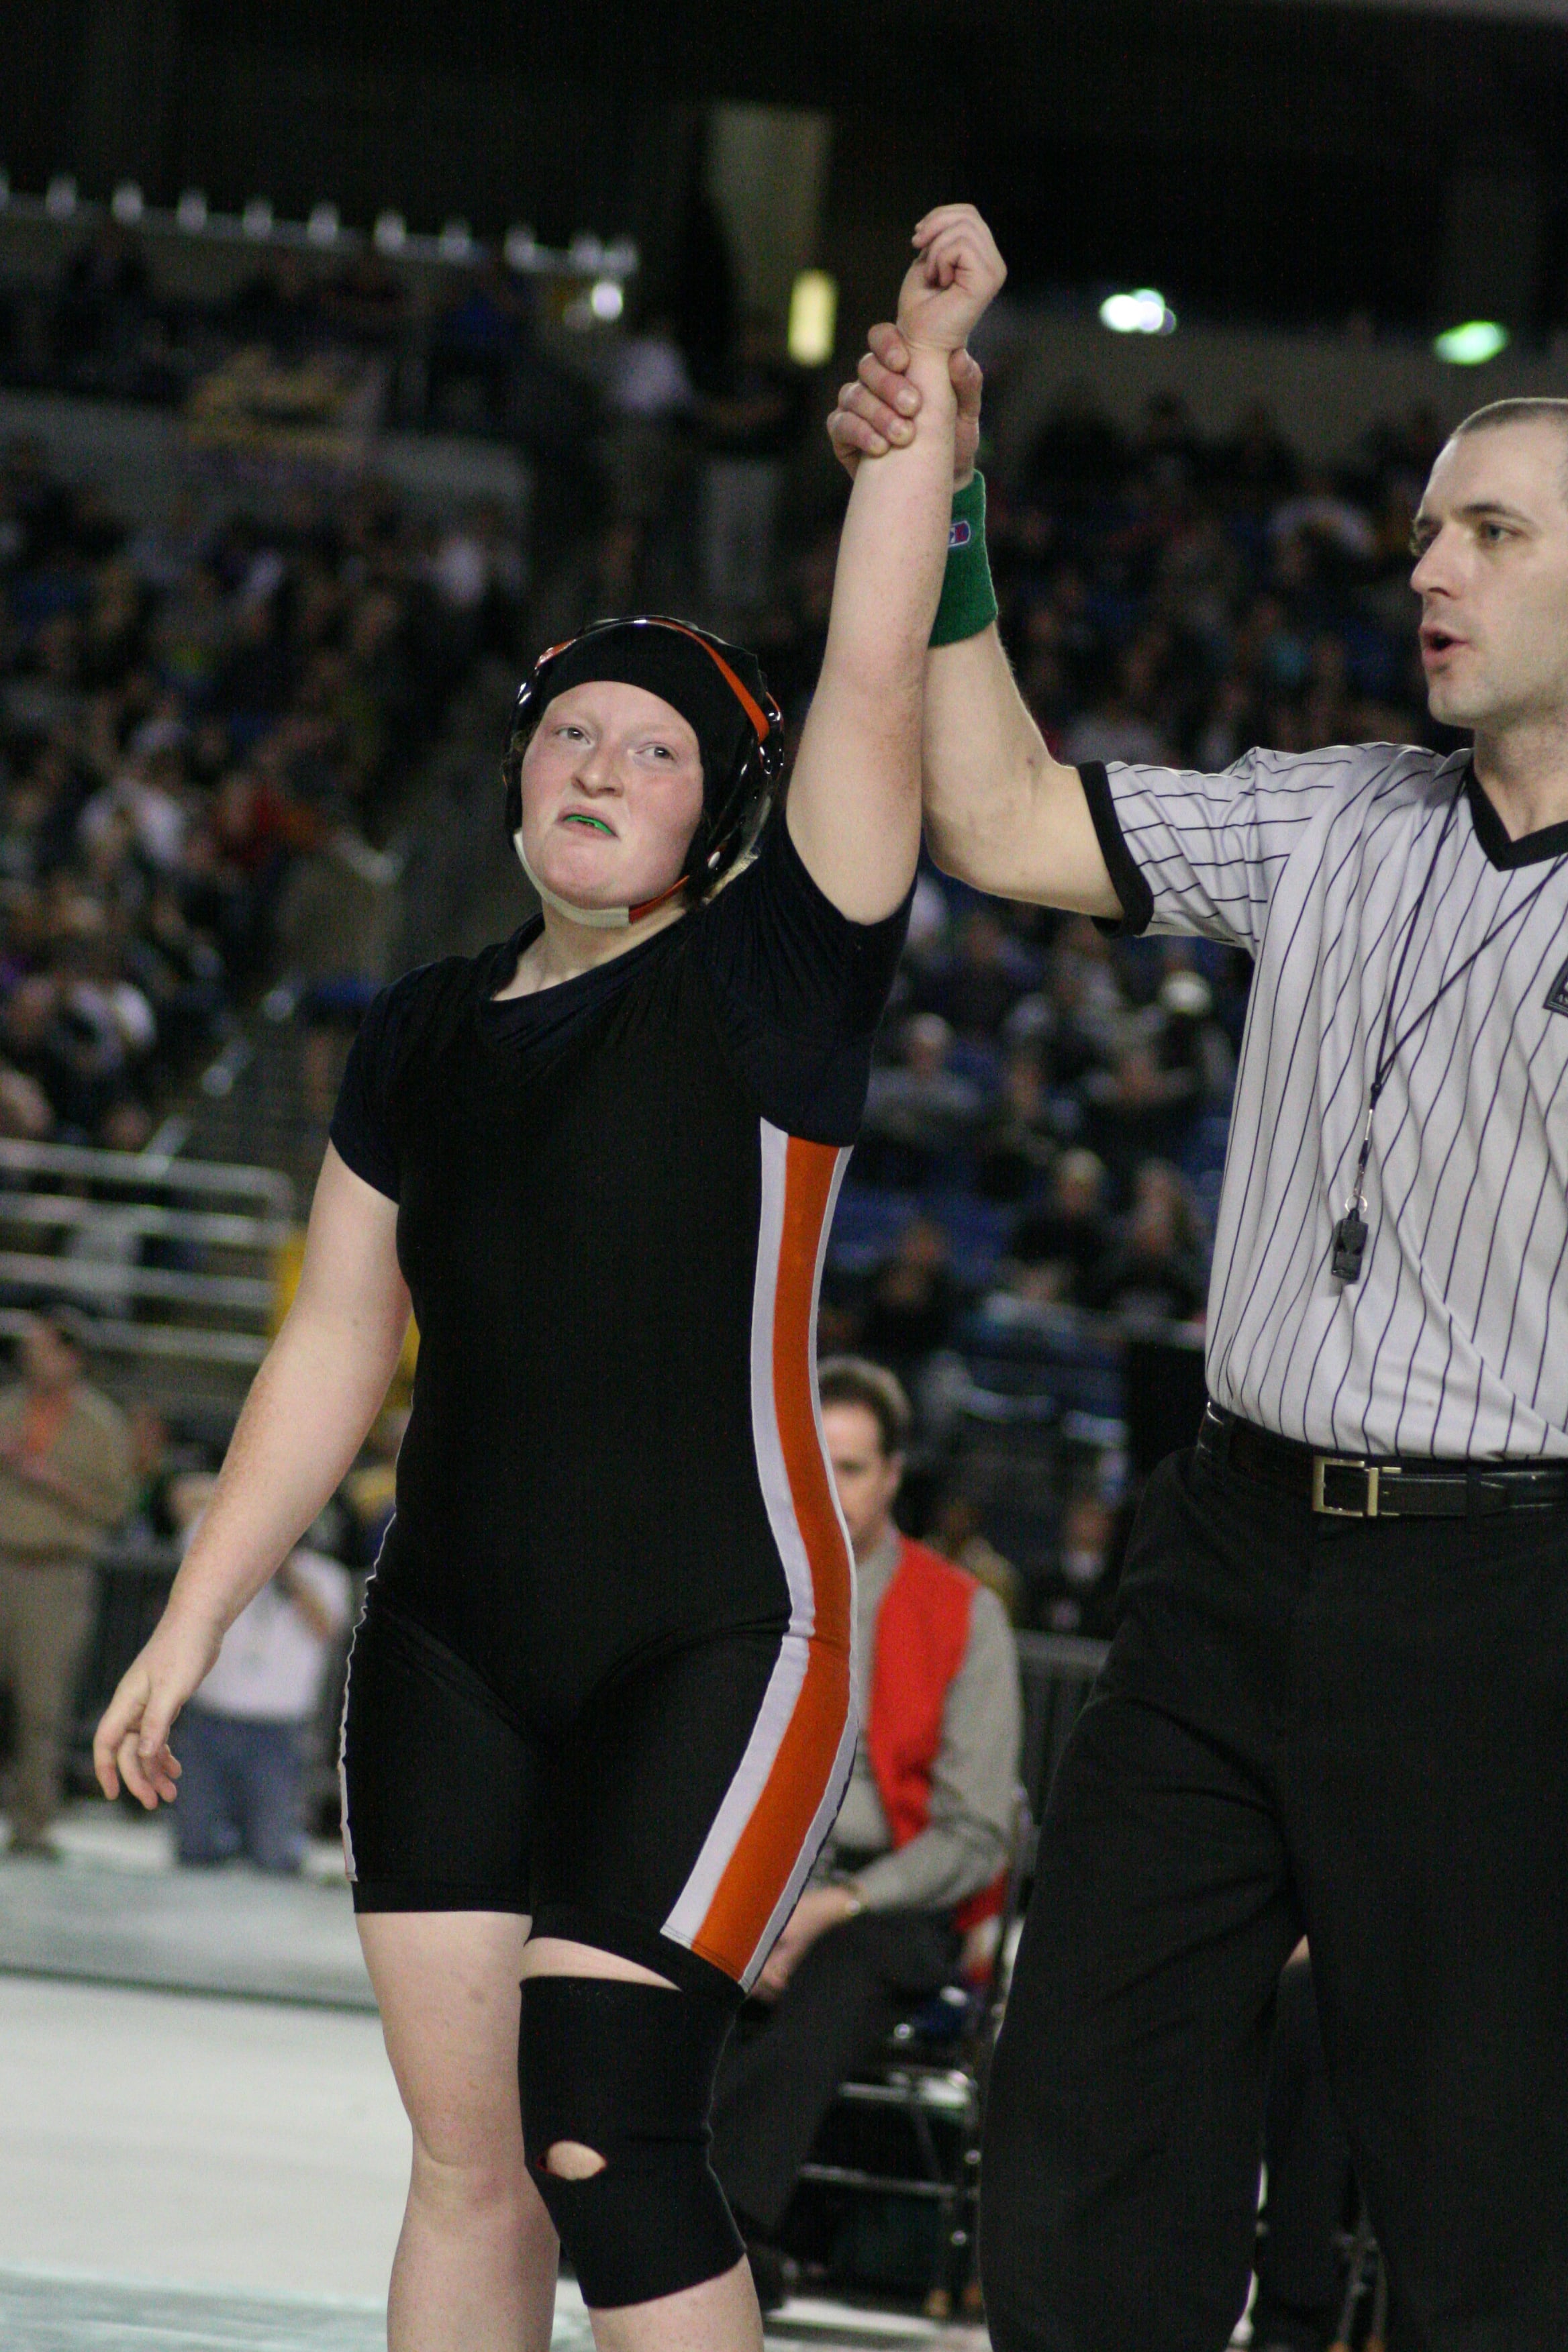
(769, 1847)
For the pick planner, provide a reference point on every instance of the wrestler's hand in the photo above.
(879, 408)
(819, 1908)
(131, 1743)
(955, 274)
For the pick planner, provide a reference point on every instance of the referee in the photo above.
(1338, 1700)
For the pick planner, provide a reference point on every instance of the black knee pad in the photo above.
(628, 2071)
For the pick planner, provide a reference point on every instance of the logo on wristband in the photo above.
(959, 535)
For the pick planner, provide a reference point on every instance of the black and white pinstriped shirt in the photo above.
(1455, 1340)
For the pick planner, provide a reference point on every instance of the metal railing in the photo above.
(143, 1171)
(116, 1203)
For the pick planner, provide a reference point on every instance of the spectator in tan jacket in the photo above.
(66, 1476)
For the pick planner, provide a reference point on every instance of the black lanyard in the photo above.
(1351, 1231)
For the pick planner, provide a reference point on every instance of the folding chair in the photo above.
(931, 2074)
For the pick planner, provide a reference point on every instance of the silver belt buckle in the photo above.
(1369, 1471)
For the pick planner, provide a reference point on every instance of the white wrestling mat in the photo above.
(42, 2311)
(115, 1909)
(170, 2163)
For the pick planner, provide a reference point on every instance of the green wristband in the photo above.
(968, 602)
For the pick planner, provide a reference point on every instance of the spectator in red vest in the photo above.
(917, 1855)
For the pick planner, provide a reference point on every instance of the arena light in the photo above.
(59, 196)
(127, 204)
(813, 318)
(1142, 313)
(324, 225)
(606, 300)
(390, 232)
(1471, 345)
(256, 220)
(520, 248)
(456, 242)
(191, 212)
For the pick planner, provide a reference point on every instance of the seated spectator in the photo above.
(1069, 1237)
(475, 346)
(959, 1536)
(104, 301)
(976, 987)
(920, 1109)
(750, 430)
(1189, 1036)
(333, 923)
(67, 1477)
(26, 1110)
(915, 1857)
(1016, 1147)
(1137, 1110)
(1156, 1272)
(279, 306)
(1078, 1595)
(913, 1301)
(77, 1065)
(240, 1741)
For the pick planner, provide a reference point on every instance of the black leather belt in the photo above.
(1349, 1486)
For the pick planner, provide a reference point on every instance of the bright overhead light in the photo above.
(1142, 313)
(813, 318)
(60, 197)
(1477, 340)
(256, 220)
(457, 241)
(126, 203)
(390, 232)
(606, 300)
(324, 225)
(519, 248)
(191, 212)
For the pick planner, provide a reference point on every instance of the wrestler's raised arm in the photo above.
(854, 805)
(1000, 813)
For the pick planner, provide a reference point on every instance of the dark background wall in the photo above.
(1299, 163)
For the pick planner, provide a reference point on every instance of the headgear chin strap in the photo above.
(597, 919)
(718, 689)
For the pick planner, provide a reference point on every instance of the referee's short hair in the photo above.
(855, 1379)
(1538, 409)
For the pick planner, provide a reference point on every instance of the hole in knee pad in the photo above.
(568, 2160)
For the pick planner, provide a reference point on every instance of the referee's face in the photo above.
(612, 790)
(1491, 540)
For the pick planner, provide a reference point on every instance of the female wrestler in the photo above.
(598, 1716)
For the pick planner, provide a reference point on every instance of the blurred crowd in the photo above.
(203, 722)
(212, 733)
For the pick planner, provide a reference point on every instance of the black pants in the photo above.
(1356, 1728)
(779, 2076)
(1308, 2169)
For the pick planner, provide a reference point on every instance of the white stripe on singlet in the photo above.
(791, 1778)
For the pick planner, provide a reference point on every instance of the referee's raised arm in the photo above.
(1000, 813)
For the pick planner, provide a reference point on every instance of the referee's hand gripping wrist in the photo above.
(878, 411)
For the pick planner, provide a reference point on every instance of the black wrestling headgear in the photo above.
(720, 692)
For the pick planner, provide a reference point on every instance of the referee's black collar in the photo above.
(1501, 850)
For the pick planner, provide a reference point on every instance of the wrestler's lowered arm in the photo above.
(307, 1413)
